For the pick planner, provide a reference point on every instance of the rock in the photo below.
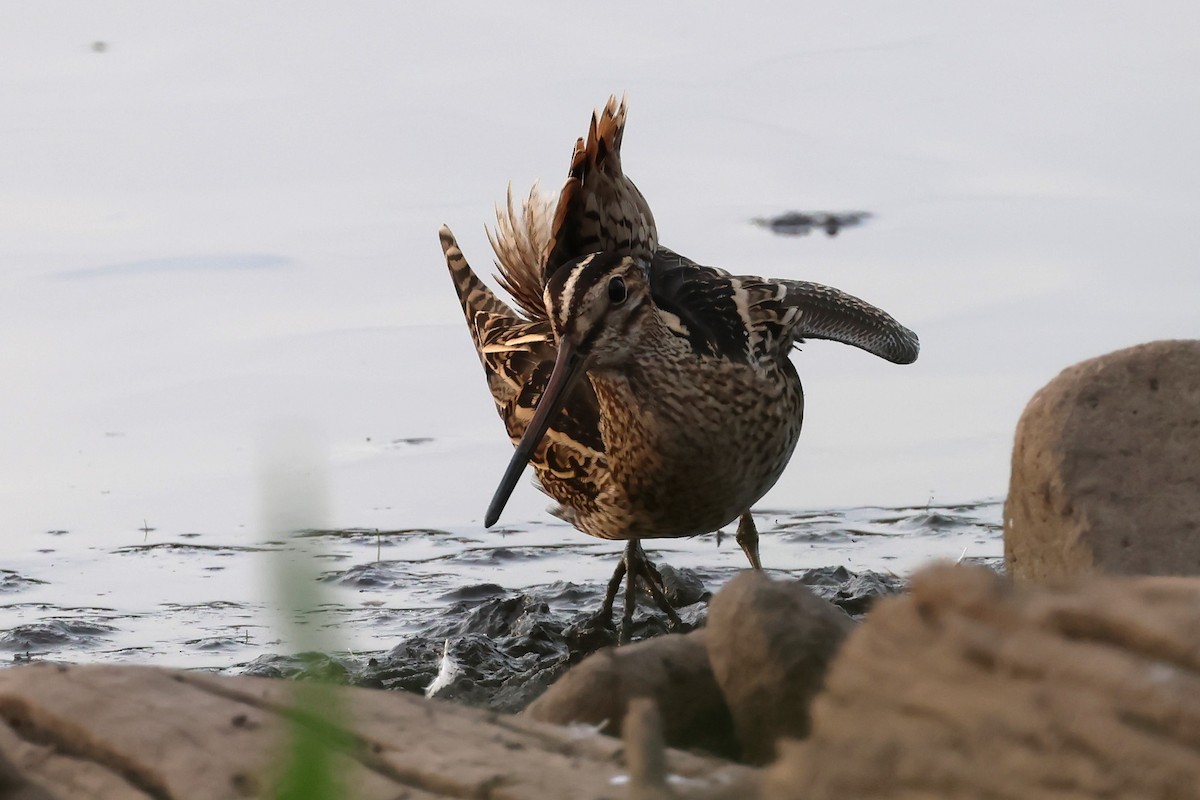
(769, 643)
(681, 586)
(971, 687)
(134, 733)
(1106, 469)
(672, 670)
(16, 786)
(853, 592)
(499, 652)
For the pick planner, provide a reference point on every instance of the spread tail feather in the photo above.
(518, 242)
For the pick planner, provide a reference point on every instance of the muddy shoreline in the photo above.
(500, 650)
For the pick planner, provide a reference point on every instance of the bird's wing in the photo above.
(747, 318)
(518, 357)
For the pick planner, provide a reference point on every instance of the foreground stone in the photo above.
(969, 687)
(770, 643)
(137, 732)
(1106, 469)
(671, 670)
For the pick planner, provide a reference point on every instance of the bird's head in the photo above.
(597, 306)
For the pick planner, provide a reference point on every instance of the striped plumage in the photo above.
(691, 408)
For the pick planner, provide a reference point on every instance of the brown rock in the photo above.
(970, 687)
(672, 670)
(769, 643)
(1106, 469)
(137, 732)
(14, 785)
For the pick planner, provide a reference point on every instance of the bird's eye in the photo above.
(616, 291)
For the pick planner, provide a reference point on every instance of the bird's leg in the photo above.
(658, 591)
(747, 539)
(638, 566)
(633, 566)
(630, 591)
(614, 583)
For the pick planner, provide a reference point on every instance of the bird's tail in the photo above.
(473, 294)
(519, 241)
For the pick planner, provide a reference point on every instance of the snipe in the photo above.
(653, 396)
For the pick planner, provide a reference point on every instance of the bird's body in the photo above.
(673, 442)
(691, 407)
(691, 441)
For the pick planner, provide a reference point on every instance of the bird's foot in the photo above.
(634, 566)
(747, 539)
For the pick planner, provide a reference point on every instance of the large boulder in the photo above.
(1106, 469)
(671, 670)
(970, 687)
(769, 643)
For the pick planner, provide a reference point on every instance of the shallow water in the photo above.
(201, 601)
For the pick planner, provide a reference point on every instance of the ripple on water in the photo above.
(477, 591)
(12, 581)
(379, 575)
(208, 605)
(56, 634)
(220, 644)
(184, 548)
(847, 526)
(502, 554)
(374, 536)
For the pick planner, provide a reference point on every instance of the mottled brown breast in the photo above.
(690, 444)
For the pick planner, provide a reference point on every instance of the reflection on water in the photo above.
(200, 602)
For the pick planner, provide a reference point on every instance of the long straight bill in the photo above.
(568, 367)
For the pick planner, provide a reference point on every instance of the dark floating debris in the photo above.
(802, 223)
(412, 440)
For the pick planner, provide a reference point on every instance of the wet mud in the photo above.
(500, 650)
